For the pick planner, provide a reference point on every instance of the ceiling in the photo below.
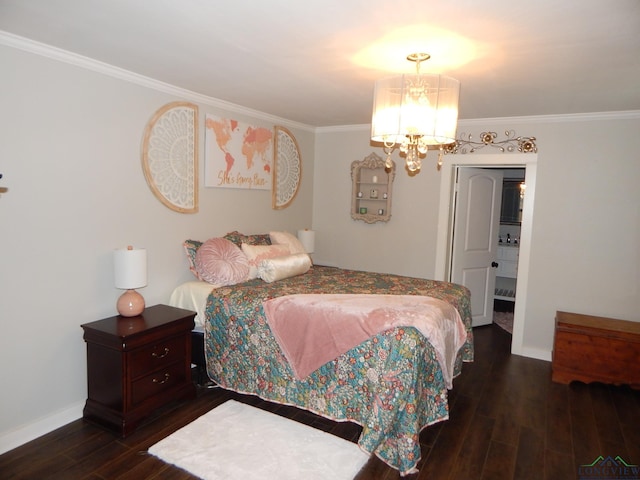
(315, 61)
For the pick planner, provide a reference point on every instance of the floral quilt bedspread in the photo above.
(391, 384)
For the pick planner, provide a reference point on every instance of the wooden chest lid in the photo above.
(577, 321)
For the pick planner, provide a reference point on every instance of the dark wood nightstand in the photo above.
(137, 364)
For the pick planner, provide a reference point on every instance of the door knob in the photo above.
(494, 264)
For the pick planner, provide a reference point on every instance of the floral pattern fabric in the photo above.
(255, 239)
(391, 384)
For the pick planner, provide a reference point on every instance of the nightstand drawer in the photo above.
(157, 382)
(148, 359)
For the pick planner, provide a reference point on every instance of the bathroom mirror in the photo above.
(512, 198)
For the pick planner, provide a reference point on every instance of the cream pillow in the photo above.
(288, 239)
(219, 261)
(277, 268)
(257, 253)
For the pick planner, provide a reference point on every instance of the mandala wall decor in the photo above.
(170, 156)
(287, 169)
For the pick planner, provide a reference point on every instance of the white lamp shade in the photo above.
(307, 239)
(130, 268)
(423, 105)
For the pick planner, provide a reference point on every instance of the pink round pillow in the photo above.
(221, 262)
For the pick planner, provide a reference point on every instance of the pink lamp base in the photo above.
(130, 304)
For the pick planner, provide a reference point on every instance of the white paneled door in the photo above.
(476, 224)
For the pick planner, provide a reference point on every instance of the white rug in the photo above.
(235, 441)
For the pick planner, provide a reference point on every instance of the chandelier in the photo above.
(415, 112)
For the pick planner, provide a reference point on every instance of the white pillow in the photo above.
(277, 268)
(256, 253)
(286, 238)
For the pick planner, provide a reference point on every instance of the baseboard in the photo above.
(536, 353)
(25, 433)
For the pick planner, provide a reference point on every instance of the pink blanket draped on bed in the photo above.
(315, 329)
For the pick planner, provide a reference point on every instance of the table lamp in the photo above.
(307, 239)
(130, 271)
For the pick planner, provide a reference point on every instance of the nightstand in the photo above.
(136, 365)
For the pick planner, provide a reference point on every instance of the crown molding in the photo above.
(54, 53)
(533, 119)
(557, 118)
(65, 56)
(343, 128)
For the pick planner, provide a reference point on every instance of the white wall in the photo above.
(70, 155)
(404, 245)
(585, 251)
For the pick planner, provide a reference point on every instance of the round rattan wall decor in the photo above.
(287, 169)
(170, 156)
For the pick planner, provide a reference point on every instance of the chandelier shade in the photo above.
(424, 105)
(415, 111)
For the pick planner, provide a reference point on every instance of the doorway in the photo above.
(506, 271)
(474, 247)
(446, 232)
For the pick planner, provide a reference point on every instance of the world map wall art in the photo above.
(237, 155)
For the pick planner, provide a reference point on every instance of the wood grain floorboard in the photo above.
(507, 421)
(500, 461)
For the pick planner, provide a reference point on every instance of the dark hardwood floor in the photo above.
(508, 420)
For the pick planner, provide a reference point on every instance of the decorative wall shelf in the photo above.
(371, 189)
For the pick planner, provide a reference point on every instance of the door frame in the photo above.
(445, 224)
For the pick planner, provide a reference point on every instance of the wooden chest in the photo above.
(596, 349)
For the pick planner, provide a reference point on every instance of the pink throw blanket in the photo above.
(315, 329)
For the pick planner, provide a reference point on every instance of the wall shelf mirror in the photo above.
(371, 189)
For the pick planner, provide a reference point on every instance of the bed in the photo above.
(393, 384)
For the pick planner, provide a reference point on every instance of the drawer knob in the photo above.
(494, 264)
(161, 355)
(165, 380)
